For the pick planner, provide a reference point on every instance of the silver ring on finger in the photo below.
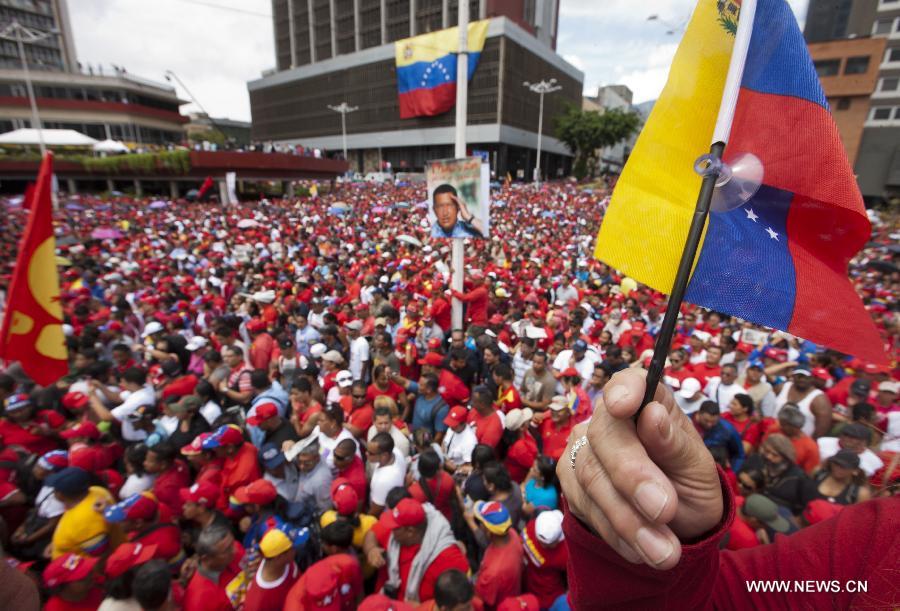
(579, 443)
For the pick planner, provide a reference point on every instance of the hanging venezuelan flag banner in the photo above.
(426, 69)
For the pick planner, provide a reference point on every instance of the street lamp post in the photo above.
(170, 76)
(541, 88)
(21, 34)
(344, 109)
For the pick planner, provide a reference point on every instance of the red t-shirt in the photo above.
(545, 567)
(15, 435)
(240, 469)
(681, 375)
(393, 391)
(314, 408)
(349, 588)
(442, 491)
(500, 574)
(452, 389)
(169, 483)
(355, 474)
(180, 387)
(741, 536)
(267, 596)
(704, 372)
(261, 351)
(362, 418)
(85, 457)
(204, 595)
(555, 438)
(450, 558)
(166, 538)
(508, 400)
(90, 603)
(520, 457)
(488, 429)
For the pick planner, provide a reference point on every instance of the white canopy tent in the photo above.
(52, 137)
(110, 146)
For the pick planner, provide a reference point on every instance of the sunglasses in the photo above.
(359, 396)
(341, 458)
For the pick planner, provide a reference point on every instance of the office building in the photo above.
(56, 52)
(358, 67)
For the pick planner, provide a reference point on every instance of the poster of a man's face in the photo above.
(459, 198)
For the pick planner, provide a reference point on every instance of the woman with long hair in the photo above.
(841, 480)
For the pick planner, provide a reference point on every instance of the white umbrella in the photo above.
(247, 224)
(110, 146)
(409, 240)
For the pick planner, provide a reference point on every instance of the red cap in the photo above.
(195, 448)
(873, 369)
(344, 497)
(263, 413)
(821, 373)
(115, 326)
(408, 512)
(323, 591)
(434, 343)
(75, 401)
(259, 492)
(456, 416)
(820, 510)
(744, 347)
(638, 327)
(380, 602)
(569, 372)
(68, 568)
(524, 602)
(432, 358)
(83, 429)
(52, 419)
(202, 493)
(256, 325)
(497, 319)
(127, 556)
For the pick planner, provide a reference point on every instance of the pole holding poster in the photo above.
(231, 187)
(458, 252)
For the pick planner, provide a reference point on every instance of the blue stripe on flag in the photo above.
(742, 269)
(427, 75)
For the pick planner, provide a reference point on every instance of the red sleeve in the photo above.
(489, 432)
(362, 418)
(706, 578)
(450, 558)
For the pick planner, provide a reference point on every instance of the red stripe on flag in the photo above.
(427, 102)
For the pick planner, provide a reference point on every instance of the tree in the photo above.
(586, 132)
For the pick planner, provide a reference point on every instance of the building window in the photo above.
(883, 26)
(842, 104)
(827, 67)
(881, 113)
(889, 83)
(857, 65)
(893, 55)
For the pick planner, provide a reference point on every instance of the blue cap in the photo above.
(141, 505)
(756, 363)
(70, 481)
(271, 456)
(580, 346)
(17, 402)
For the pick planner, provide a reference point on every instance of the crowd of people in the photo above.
(281, 414)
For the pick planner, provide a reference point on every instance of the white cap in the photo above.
(703, 336)
(517, 418)
(354, 325)
(317, 350)
(559, 403)
(889, 386)
(689, 388)
(264, 296)
(548, 527)
(196, 342)
(384, 279)
(334, 356)
(152, 327)
(344, 378)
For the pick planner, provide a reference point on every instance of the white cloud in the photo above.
(213, 50)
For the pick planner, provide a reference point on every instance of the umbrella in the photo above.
(343, 205)
(158, 204)
(404, 204)
(105, 233)
(409, 240)
(192, 195)
(74, 206)
(422, 205)
(67, 240)
(883, 266)
(247, 224)
(547, 214)
(379, 209)
(179, 254)
(338, 210)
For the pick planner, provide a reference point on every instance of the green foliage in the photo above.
(586, 132)
(210, 135)
(170, 162)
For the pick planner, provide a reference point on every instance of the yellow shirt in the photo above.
(82, 529)
(366, 522)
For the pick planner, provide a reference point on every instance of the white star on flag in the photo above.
(772, 233)
(751, 215)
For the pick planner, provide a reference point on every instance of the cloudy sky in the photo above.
(216, 46)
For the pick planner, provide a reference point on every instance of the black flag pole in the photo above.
(670, 320)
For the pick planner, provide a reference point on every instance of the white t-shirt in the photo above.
(135, 484)
(401, 442)
(722, 393)
(386, 478)
(891, 441)
(868, 460)
(48, 506)
(211, 411)
(458, 446)
(327, 444)
(359, 354)
(584, 367)
(144, 396)
(261, 583)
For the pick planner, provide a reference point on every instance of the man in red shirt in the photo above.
(476, 299)
(240, 465)
(710, 368)
(276, 575)
(349, 466)
(546, 552)
(508, 397)
(412, 568)
(500, 573)
(147, 522)
(333, 583)
(361, 413)
(218, 565)
(555, 430)
(20, 428)
(679, 369)
(263, 345)
(72, 583)
(452, 390)
(172, 474)
(484, 418)
(434, 485)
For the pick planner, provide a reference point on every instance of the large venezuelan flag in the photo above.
(426, 69)
(779, 260)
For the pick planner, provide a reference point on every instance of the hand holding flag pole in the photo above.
(711, 167)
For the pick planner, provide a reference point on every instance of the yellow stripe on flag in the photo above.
(429, 47)
(645, 228)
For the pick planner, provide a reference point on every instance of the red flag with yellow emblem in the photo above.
(32, 330)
